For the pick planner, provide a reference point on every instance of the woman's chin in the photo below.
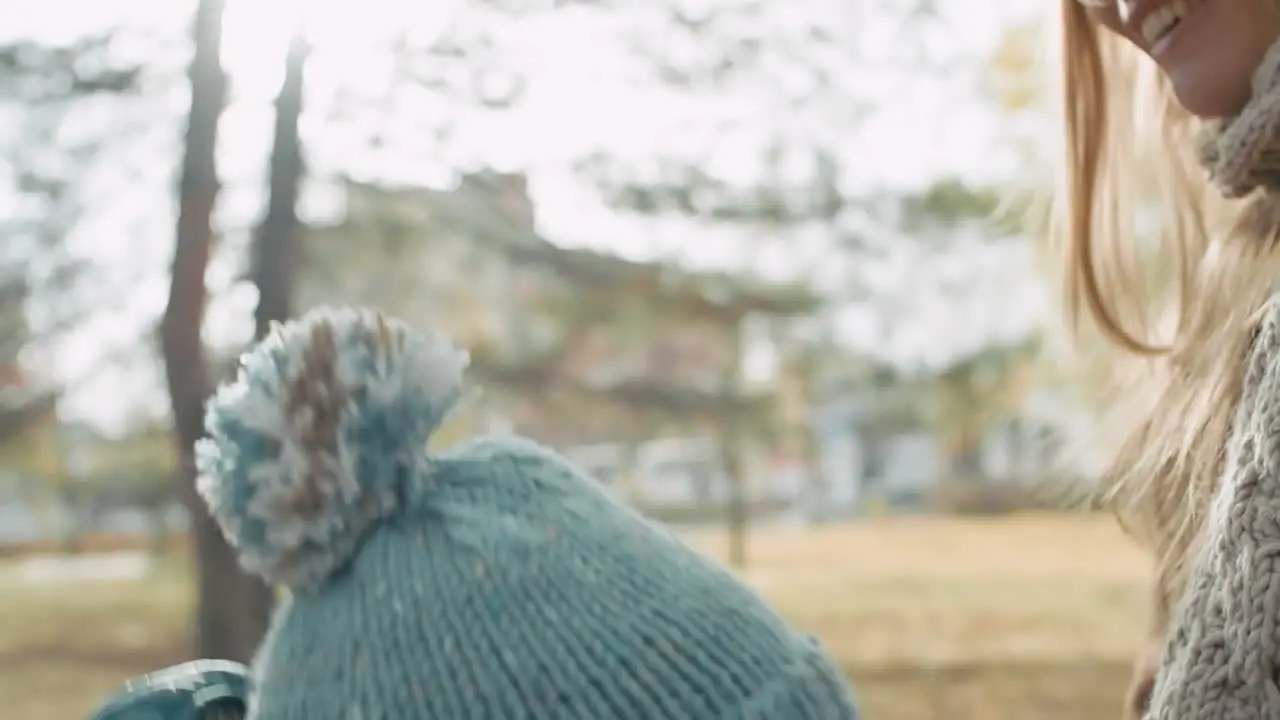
(1212, 56)
(1208, 97)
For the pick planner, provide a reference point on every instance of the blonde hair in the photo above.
(1177, 302)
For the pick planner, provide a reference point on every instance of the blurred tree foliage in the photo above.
(544, 323)
(805, 66)
(43, 160)
(1014, 78)
(601, 346)
(76, 475)
(71, 110)
(947, 204)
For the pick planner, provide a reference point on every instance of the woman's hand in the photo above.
(1143, 679)
(1147, 664)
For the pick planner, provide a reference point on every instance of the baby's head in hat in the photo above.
(489, 582)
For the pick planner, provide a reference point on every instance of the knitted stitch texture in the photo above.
(490, 582)
(1223, 654)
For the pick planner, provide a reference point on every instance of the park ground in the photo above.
(1009, 619)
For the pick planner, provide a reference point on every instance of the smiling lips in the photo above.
(1155, 23)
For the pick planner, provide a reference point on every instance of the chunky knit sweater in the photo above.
(1222, 658)
(1222, 661)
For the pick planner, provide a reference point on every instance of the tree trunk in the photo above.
(818, 489)
(731, 433)
(230, 613)
(275, 250)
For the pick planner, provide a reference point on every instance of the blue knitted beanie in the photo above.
(491, 582)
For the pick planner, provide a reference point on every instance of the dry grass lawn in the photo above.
(1016, 619)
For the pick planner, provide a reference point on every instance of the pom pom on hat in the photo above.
(313, 442)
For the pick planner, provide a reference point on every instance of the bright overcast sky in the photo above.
(578, 100)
